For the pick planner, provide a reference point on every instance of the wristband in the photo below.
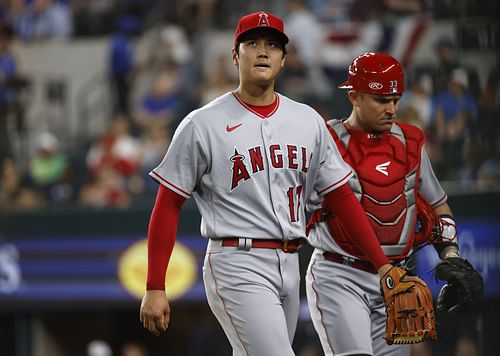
(447, 229)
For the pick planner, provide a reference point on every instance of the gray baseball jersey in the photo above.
(250, 177)
(347, 308)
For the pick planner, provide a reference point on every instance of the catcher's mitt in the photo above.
(465, 286)
(410, 313)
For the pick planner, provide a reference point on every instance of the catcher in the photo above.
(362, 298)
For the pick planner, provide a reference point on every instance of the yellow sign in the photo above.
(133, 264)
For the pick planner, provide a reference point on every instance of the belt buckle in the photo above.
(244, 243)
(347, 261)
(284, 246)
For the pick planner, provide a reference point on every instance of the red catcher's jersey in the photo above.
(385, 181)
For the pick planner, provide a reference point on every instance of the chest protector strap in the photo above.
(385, 181)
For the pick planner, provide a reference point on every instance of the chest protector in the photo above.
(386, 173)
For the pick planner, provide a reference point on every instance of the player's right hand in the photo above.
(155, 311)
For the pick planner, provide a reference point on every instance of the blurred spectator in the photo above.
(447, 56)
(134, 349)
(169, 46)
(489, 109)
(392, 12)
(410, 115)
(169, 50)
(98, 348)
(219, 80)
(446, 9)
(155, 142)
(116, 149)
(108, 188)
(332, 12)
(419, 99)
(445, 52)
(491, 92)
(93, 17)
(466, 347)
(7, 73)
(13, 195)
(13, 86)
(43, 19)
(305, 31)
(342, 43)
(195, 15)
(455, 111)
(50, 170)
(489, 172)
(114, 166)
(297, 80)
(121, 63)
(471, 160)
(161, 103)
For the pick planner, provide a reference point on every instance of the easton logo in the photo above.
(382, 167)
(375, 86)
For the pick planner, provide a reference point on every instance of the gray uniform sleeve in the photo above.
(430, 188)
(333, 170)
(185, 162)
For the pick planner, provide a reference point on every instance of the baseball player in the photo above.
(392, 179)
(251, 159)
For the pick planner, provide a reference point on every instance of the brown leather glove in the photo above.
(409, 308)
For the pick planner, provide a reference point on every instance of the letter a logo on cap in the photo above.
(263, 20)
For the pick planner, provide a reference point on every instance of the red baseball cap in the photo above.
(260, 20)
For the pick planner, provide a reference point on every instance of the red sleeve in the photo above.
(347, 208)
(161, 235)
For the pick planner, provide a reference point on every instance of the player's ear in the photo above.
(283, 61)
(234, 55)
(353, 97)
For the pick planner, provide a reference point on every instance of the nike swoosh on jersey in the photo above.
(232, 128)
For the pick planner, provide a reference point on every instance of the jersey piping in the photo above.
(170, 185)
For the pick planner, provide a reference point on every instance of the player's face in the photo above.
(259, 58)
(375, 112)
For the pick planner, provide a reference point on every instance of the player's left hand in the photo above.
(155, 311)
(464, 288)
(409, 309)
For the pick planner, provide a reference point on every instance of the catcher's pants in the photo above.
(347, 309)
(255, 296)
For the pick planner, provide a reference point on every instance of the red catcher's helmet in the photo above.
(375, 73)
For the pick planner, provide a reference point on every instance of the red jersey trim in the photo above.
(276, 104)
(169, 184)
(440, 201)
(335, 185)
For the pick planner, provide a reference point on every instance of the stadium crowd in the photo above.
(458, 111)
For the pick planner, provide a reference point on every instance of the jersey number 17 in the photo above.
(294, 194)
